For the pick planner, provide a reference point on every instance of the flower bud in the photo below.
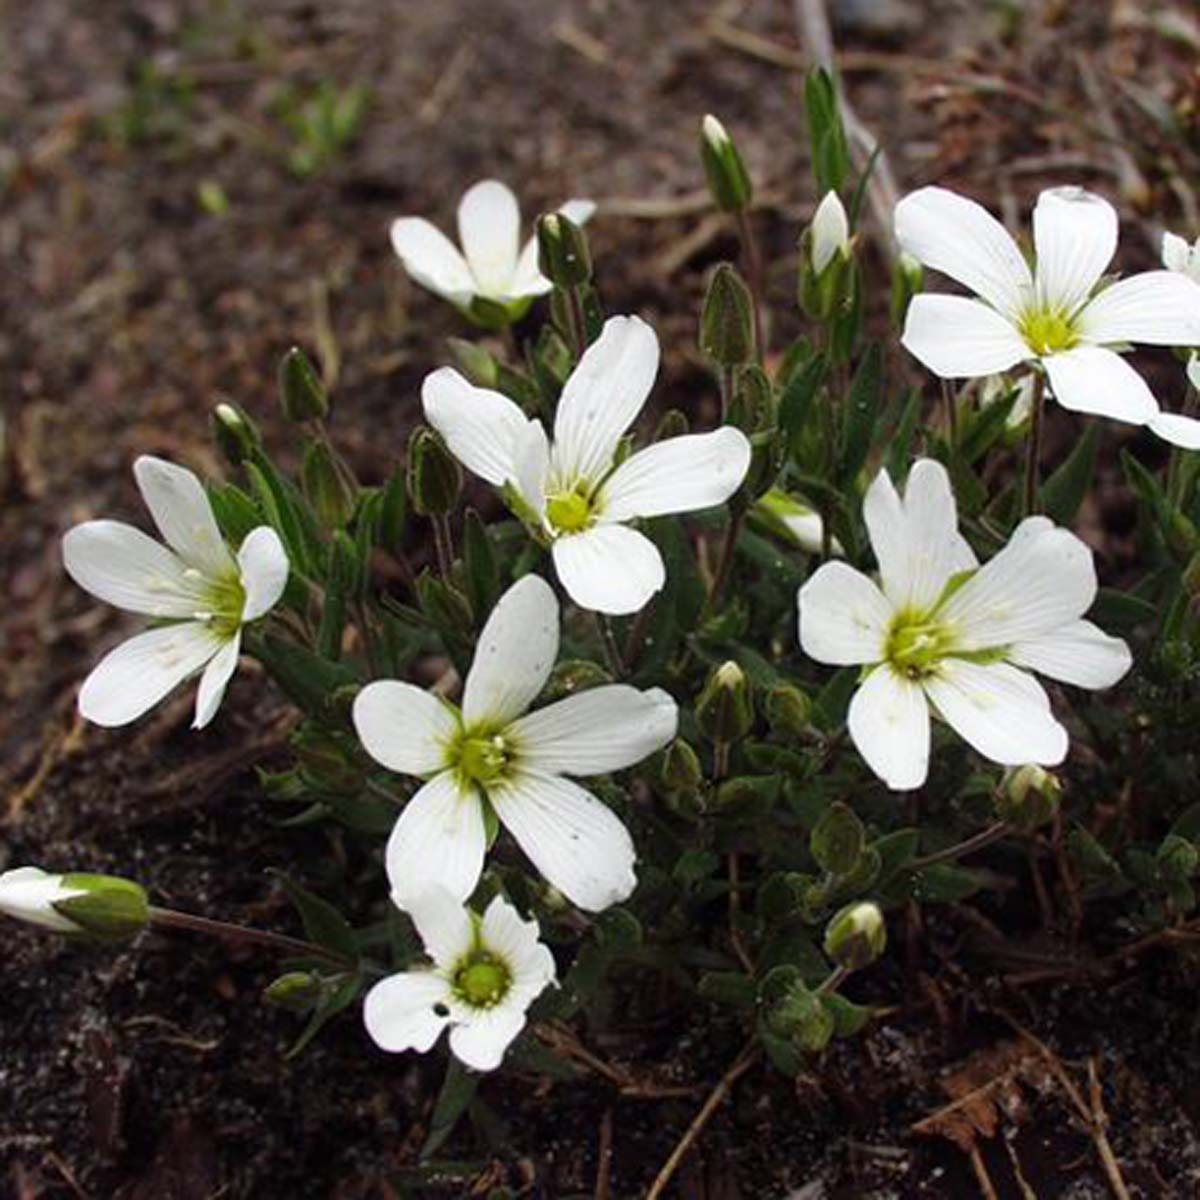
(575, 675)
(434, 476)
(297, 991)
(102, 906)
(789, 711)
(856, 936)
(479, 367)
(801, 1016)
(328, 484)
(235, 434)
(681, 771)
(724, 708)
(563, 254)
(302, 395)
(829, 232)
(1028, 798)
(1177, 858)
(793, 521)
(728, 180)
(727, 319)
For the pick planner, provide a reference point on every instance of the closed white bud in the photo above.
(830, 232)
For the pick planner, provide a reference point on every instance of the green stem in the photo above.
(636, 640)
(168, 918)
(578, 321)
(951, 401)
(754, 276)
(833, 981)
(985, 837)
(612, 652)
(1033, 456)
(443, 542)
(737, 518)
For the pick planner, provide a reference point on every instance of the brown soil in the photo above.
(154, 1071)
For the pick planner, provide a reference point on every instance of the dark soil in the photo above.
(128, 307)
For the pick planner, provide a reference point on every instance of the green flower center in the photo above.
(482, 758)
(226, 602)
(915, 643)
(1048, 330)
(569, 512)
(481, 979)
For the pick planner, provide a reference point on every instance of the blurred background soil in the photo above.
(166, 231)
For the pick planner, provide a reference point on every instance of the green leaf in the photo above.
(287, 513)
(796, 400)
(944, 883)
(896, 850)
(457, 1091)
(729, 988)
(862, 415)
(323, 924)
(900, 443)
(837, 841)
(827, 137)
(1063, 492)
(236, 512)
(848, 1018)
(482, 580)
(306, 678)
(832, 701)
(338, 993)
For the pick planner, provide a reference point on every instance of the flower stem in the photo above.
(985, 837)
(612, 652)
(636, 641)
(443, 541)
(168, 918)
(951, 401)
(578, 321)
(833, 981)
(754, 276)
(1034, 449)
(725, 380)
(737, 518)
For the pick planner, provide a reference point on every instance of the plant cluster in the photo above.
(701, 704)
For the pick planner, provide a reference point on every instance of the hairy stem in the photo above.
(168, 918)
(985, 837)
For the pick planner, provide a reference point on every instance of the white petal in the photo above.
(528, 280)
(517, 942)
(962, 239)
(605, 729)
(29, 894)
(481, 1041)
(830, 231)
(215, 680)
(402, 727)
(533, 466)
(437, 841)
(400, 1012)
(957, 338)
(1038, 583)
(264, 566)
(916, 540)
(1177, 429)
(482, 428)
(140, 672)
(1193, 371)
(682, 474)
(609, 568)
(577, 843)
(1176, 253)
(446, 928)
(432, 259)
(1000, 711)
(888, 722)
(180, 508)
(844, 617)
(1075, 236)
(602, 398)
(1157, 308)
(121, 565)
(515, 654)
(489, 224)
(1091, 379)
(1078, 653)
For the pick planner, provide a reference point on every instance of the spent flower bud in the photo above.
(563, 254)
(434, 476)
(725, 708)
(728, 180)
(302, 395)
(727, 319)
(788, 711)
(681, 770)
(856, 936)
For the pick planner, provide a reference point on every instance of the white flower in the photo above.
(492, 265)
(999, 387)
(830, 232)
(1177, 255)
(1055, 318)
(574, 492)
(492, 755)
(29, 894)
(942, 631)
(486, 972)
(193, 582)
